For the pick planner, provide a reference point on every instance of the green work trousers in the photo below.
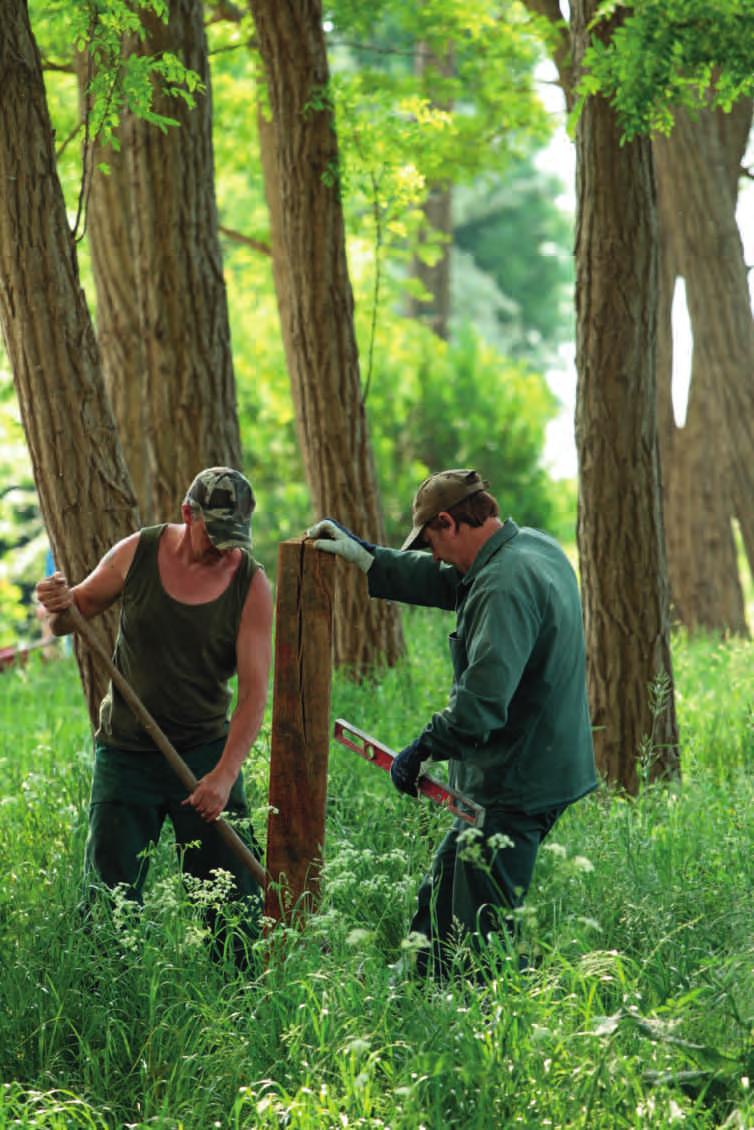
(132, 794)
(473, 886)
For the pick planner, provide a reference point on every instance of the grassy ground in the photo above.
(640, 1013)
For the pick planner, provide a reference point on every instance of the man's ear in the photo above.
(187, 513)
(445, 521)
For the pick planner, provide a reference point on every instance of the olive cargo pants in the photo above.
(132, 795)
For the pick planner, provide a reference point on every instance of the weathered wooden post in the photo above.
(300, 727)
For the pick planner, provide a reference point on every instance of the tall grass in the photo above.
(639, 1010)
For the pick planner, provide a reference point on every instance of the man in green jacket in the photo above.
(516, 730)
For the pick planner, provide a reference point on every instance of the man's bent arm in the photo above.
(412, 578)
(254, 654)
(94, 594)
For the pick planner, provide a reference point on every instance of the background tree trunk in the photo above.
(191, 419)
(620, 530)
(707, 479)
(316, 309)
(702, 566)
(83, 485)
(434, 311)
(111, 231)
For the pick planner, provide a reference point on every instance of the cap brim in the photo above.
(223, 537)
(415, 539)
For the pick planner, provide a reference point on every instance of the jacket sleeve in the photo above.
(412, 578)
(501, 632)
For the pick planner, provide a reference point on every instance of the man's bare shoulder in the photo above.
(258, 601)
(119, 557)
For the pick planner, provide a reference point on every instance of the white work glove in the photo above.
(331, 537)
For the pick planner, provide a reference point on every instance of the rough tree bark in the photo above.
(698, 169)
(111, 228)
(620, 529)
(191, 419)
(316, 309)
(84, 490)
(702, 566)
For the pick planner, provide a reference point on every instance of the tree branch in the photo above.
(64, 145)
(246, 240)
(224, 10)
(562, 50)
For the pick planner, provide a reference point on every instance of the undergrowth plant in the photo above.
(636, 1009)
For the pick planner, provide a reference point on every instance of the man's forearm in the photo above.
(412, 578)
(245, 724)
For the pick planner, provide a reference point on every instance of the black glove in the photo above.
(404, 772)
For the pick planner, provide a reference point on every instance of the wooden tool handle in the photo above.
(163, 743)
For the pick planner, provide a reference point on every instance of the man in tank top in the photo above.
(195, 609)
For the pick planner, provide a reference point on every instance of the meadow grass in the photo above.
(638, 1011)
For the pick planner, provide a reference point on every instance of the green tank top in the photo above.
(177, 657)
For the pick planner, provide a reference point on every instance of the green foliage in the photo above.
(117, 79)
(516, 234)
(432, 404)
(23, 543)
(669, 53)
(400, 133)
(637, 1013)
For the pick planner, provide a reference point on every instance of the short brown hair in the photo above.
(473, 511)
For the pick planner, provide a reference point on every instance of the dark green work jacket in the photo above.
(516, 729)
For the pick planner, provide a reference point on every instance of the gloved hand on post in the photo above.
(406, 768)
(332, 537)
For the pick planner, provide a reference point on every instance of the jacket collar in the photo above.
(493, 545)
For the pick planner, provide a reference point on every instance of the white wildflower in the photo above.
(582, 863)
(499, 841)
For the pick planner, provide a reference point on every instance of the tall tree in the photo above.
(433, 307)
(670, 59)
(189, 392)
(83, 485)
(698, 168)
(620, 530)
(620, 527)
(112, 242)
(316, 307)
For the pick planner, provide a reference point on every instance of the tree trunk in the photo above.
(316, 309)
(434, 310)
(84, 491)
(191, 419)
(702, 566)
(706, 476)
(111, 225)
(620, 529)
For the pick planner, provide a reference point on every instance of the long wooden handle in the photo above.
(163, 743)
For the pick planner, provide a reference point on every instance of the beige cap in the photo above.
(439, 492)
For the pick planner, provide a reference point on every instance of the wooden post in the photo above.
(300, 727)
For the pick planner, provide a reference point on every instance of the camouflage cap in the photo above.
(439, 492)
(226, 502)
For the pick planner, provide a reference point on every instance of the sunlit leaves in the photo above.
(471, 106)
(117, 76)
(669, 53)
